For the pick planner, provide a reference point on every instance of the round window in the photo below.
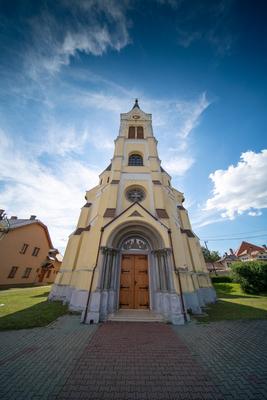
(135, 194)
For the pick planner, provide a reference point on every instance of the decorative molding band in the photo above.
(202, 273)
(65, 270)
(84, 270)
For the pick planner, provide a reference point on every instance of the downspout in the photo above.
(179, 277)
(93, 274)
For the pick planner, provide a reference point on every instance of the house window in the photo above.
(140, 132)
(131, 132)
(135, 160)
(48, 273)
(24, 248)
(35, 251)
(27, 273)
(12, 272)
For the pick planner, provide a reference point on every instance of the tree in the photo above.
(210, 256)
(252, 275)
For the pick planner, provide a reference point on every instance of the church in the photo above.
(134, 247)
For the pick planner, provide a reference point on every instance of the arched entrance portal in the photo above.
(137, 273)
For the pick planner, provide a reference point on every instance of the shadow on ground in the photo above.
(45, 294)
(226, 310)
(39, 314)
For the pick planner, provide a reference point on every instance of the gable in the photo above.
(247, 247)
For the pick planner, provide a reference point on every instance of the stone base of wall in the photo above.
(104, 302)
(200, 298)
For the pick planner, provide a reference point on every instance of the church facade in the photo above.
(134, 247)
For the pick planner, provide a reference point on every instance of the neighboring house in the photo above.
(25, 245)
(245, 252)
(228, 259)
(215, 266)
(250, 252)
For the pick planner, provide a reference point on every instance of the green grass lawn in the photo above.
(28, 308)
(234, 304)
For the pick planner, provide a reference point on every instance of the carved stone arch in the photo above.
(133, 228)
(135, 243)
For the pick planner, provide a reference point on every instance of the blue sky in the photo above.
(68, 69)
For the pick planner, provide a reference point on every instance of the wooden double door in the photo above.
(134, 282)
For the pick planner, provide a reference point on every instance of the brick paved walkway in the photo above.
(127, 360)
(34, 363)
(234, 353)
(67, 360)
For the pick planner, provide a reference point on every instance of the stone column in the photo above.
(113, 272)
(161, 270)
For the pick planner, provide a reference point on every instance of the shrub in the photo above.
(221, 279)
(252, 275)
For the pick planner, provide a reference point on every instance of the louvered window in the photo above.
(131, 133)
(136, 132)
(140, 132)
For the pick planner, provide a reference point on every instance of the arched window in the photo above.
(135, 159)
(131, 132)
(140, 132)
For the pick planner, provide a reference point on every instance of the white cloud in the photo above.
(63, 140)
(178, 166)
(91, 27)
(191, 112)
(254, 213)
(103, 101)
(242, 188)
(54, 195)
(185, 116)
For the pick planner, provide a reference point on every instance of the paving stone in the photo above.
(34, 362)
(233, 353)
(148, 359)
(67, 360)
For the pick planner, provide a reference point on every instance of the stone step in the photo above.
(136, 316)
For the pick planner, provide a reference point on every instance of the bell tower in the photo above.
(134, 247)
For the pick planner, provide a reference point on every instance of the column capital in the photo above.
(108, 250)
(164, 251)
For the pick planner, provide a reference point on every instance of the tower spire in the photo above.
(136, 104)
